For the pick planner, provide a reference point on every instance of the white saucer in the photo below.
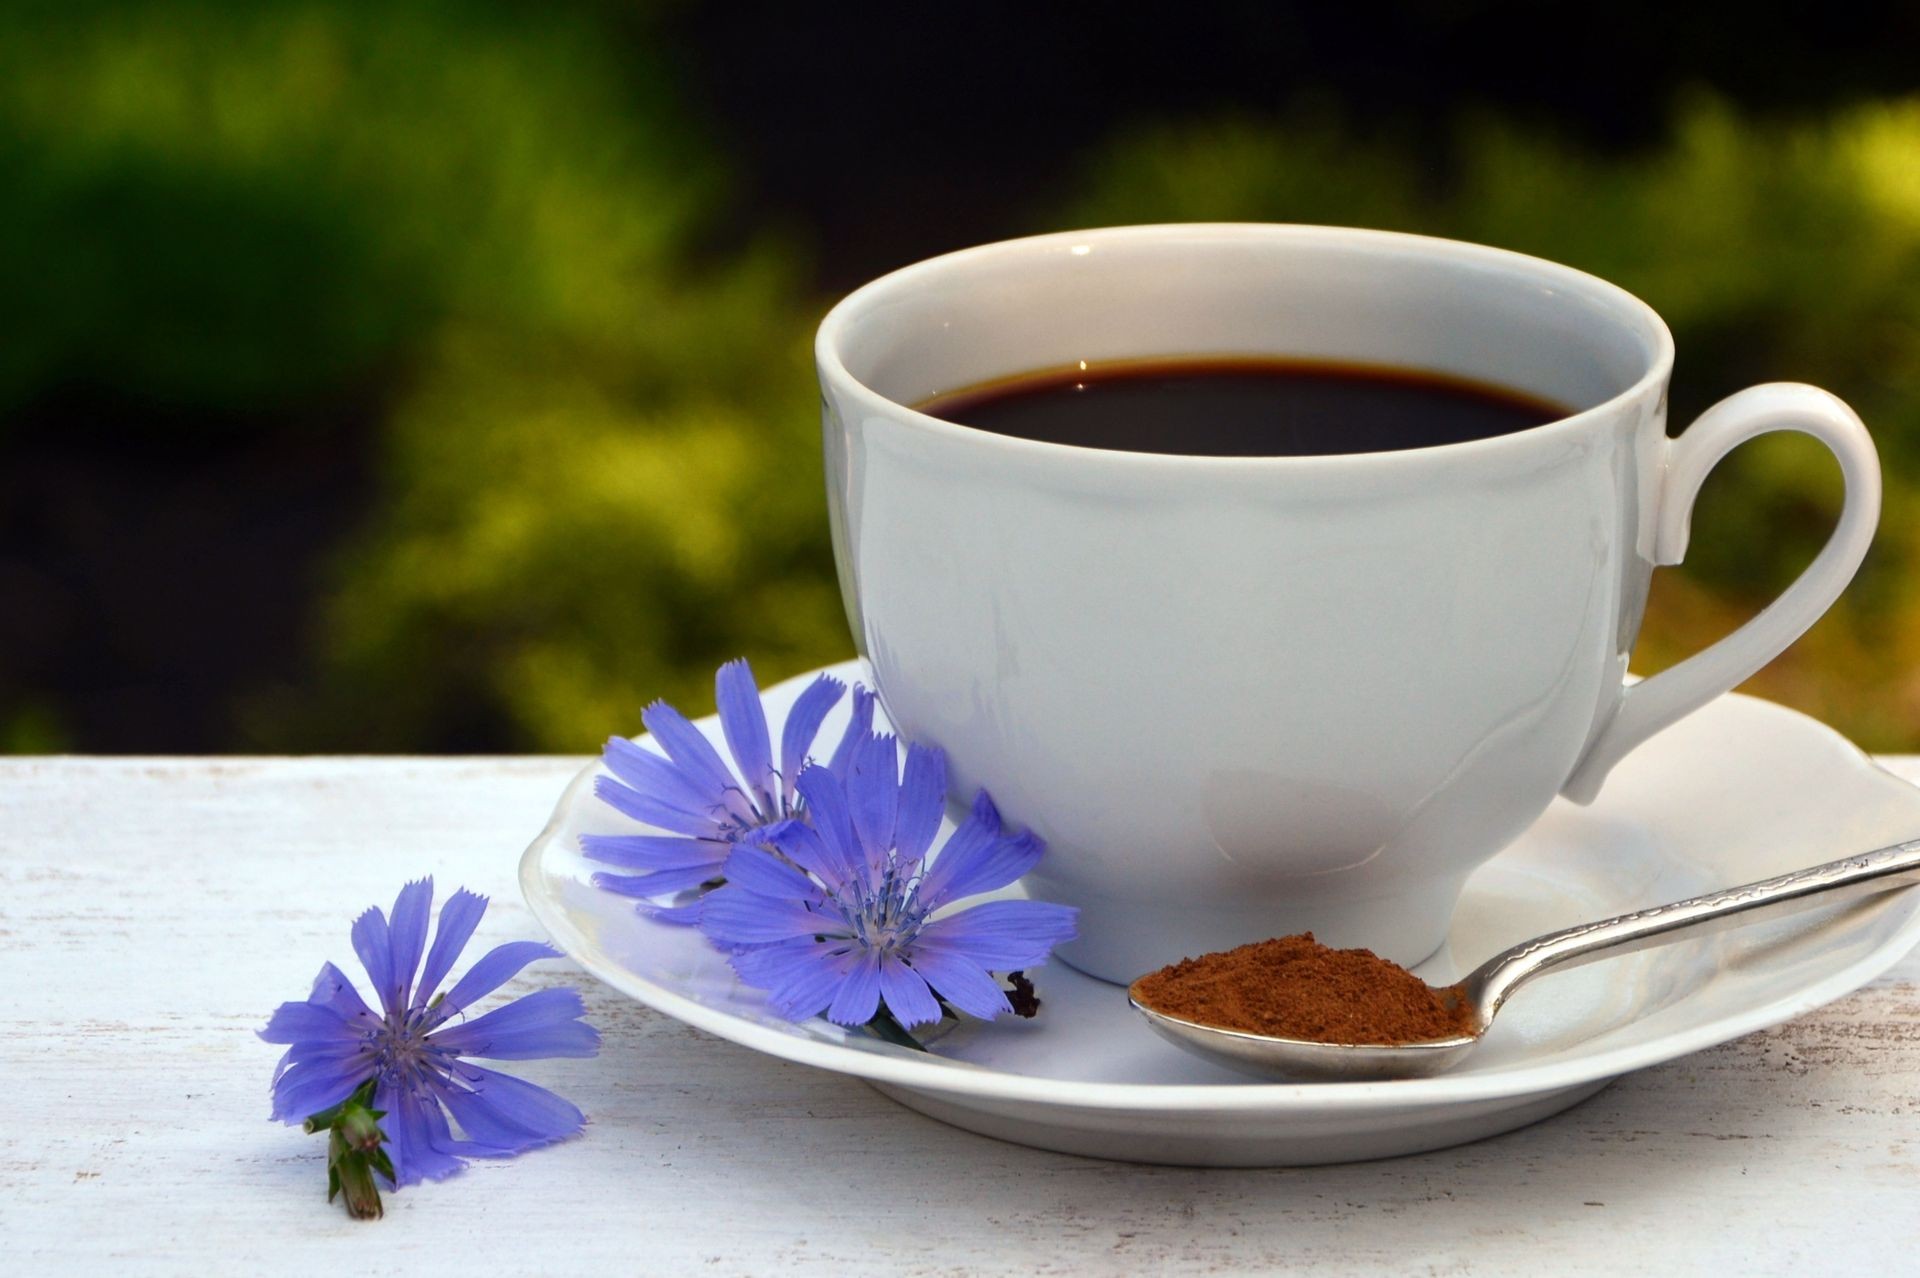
(1741, 790)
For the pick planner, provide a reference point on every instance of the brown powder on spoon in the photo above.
(1295, 987)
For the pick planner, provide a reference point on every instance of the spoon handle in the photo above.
(1878, 871)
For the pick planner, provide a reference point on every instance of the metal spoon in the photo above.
(1489, 985)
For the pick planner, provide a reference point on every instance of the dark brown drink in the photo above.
(1243, 407)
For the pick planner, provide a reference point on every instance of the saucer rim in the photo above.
(897, 1067)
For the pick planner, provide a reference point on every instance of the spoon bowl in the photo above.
(1488, 986)
(1265, 1055)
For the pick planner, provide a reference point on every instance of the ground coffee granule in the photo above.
(1295, 987)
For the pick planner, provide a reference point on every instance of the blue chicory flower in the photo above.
(707, 807)
(841, 914)
(416, 1050)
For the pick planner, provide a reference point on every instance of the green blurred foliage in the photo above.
(598, 461)
(597, 435)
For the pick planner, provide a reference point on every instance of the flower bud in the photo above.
(360, 1128)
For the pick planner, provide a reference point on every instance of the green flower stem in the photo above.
(354, 1152)
(885, 1028)
(349, 1172)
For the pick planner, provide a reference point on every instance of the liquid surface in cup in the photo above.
(1242, 407)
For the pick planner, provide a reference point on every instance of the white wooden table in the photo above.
(154, 911)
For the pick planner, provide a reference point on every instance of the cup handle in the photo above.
(1652, 704)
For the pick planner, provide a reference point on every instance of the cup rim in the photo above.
(828, 339)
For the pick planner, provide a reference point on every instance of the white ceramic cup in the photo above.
(1244, 697)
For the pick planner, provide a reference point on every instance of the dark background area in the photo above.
(433, 377)
(890, 137)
